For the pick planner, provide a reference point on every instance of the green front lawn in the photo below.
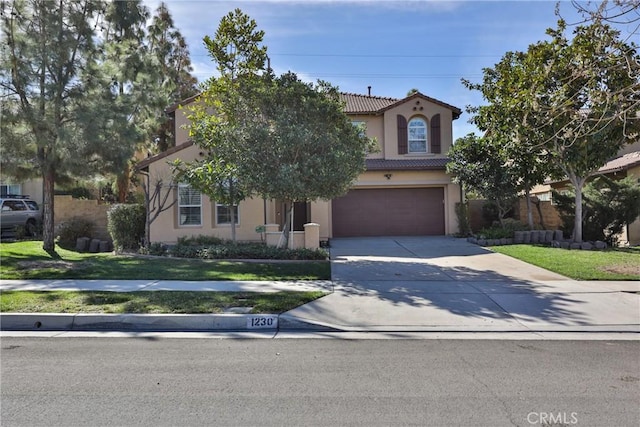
(611, 264)
(151, 302)
(27, 260)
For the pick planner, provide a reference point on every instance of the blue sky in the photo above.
(392, 46)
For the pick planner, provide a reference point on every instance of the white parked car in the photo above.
(16, 211)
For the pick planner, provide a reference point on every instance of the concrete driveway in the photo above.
(447, 284)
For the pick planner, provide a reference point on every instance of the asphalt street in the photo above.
(194, 382)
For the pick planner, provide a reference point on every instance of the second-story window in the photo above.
(361, 126)
(417, 135)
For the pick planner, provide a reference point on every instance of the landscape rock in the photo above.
(82, 244)
(575, 246)
(526, 235)
(104, 246)
(548, 236)
(94, 246)
(565, 245)
(586, 246)
(482, 242)
(518, 237)
(535, 236)
(557, 235)
(600, 244)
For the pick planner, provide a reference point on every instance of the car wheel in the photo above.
(30, 228)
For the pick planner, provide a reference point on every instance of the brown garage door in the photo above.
(389, 212)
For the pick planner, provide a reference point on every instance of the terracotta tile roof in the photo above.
(146, 162)
(363, 104)
(407, 164)
(621, 163)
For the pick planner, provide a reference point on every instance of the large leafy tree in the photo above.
(224, 110)
(57, 116)
(279, 138)
(585, 94)
(571, 103)
(480, 164)
(508, 124)
(302, 147)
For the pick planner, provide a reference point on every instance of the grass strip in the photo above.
(27, 260)
(611, 264)
(151, 302)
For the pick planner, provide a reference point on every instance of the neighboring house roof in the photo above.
(621, 163)
(367, 104)
(173, 107)
(146, 162)
(618, 164)
(407, 164)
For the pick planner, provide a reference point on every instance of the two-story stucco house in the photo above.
(404, 191)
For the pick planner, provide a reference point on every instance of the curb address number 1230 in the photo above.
(255, 322)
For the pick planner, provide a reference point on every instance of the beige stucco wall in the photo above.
(67, 208)
(407, 110)
(375, 129)
(31, 188)
(181, 122)
(166, 229)
(633, 230)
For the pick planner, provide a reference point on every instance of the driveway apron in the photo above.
(447, 284)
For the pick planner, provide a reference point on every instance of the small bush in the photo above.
(156, 248)
(200, 240)
(126, 226)
(70, 231)
(502, 232)
(462, 213)
(187, 248)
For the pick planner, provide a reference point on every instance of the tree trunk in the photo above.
(48, 231)
(286, 228)
(539, 209)
(123, 184)
(527, 194)
(578, 184)
(232, 212)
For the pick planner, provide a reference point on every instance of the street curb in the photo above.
(137, 322)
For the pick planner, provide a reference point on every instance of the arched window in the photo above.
(417, 135)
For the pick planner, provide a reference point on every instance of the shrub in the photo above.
(126, 226)
(607, 206)
(462, 212)
(200, 240)
(502, 232)
(188, 248)
(70, 231)
(156, 248)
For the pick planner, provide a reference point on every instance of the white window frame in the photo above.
(10, 186)
(414, 140)
(235, 207)
(191, 205)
